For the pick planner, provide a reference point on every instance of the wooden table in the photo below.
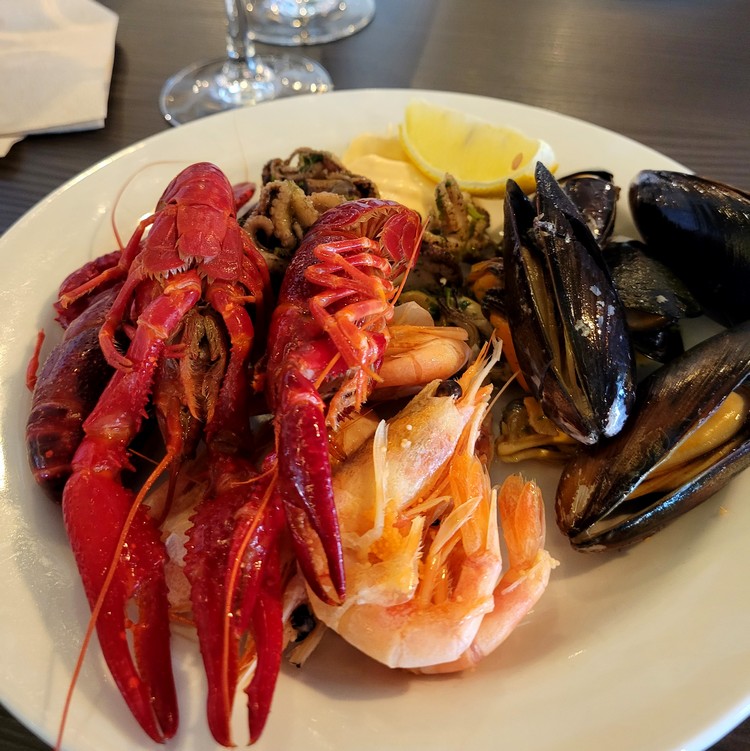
(673, 74)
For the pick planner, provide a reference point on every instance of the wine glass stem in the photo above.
(240, 48)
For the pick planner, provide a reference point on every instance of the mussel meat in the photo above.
(701, 230)
(566, 319)
(688, 435)
(525, 432)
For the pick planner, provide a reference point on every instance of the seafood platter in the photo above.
(301, 447)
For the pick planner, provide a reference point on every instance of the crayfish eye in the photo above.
(449, 388)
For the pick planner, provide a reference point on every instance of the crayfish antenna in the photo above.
(33, 367)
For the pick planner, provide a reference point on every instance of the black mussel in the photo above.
(688, 435)
(566, 320)
(594, 194)
(658, 340)
(646, 285)
(701, 230)
(654, 299)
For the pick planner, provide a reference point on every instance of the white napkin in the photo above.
(55, 66)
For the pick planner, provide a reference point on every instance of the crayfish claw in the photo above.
(135, 583)
(233, 563)
(305, 483)
(268, 631)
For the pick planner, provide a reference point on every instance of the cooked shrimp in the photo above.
(416, 355)
(521, 586)
(418, 352)
(420, 531)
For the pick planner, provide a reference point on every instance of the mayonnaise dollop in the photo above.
(382, 159)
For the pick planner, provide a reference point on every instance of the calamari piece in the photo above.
(315, 170)
(458, 224)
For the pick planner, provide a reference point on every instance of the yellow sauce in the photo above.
(383, 160)
(396, 180)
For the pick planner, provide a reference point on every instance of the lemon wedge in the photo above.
(480, 155)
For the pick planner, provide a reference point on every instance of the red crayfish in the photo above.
(180, 316)
(328, 334)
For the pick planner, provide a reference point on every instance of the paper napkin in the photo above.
(55, 66)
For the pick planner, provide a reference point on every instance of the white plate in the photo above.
(648, 649)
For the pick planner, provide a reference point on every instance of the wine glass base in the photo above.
(218, 85)
(290, 23)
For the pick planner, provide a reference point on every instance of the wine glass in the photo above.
(295, 22)
(240, 79)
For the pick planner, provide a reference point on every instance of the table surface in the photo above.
(673, 74)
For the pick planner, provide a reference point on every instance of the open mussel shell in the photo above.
(597, 503)
(566, 320)
(701, 230)
(594, 194)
